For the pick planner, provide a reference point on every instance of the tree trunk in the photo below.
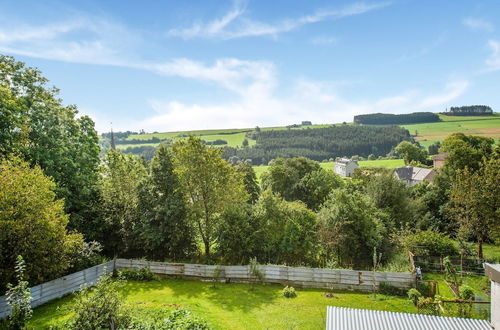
(207, 248)
(480, 248)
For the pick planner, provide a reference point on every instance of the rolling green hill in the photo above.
(426, 133)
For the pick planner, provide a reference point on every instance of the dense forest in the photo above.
(391, 119)
(321, 143)
(470, 110)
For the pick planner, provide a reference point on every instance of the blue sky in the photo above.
(179, 65)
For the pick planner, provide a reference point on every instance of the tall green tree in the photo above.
(349, 228)
(250, 180)
(411, 153)
(476, 203)
(164, 230)
(32, 224)
(35, 124)
(210, 183)
(121, 176)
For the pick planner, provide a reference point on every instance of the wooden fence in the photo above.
(57, 288)
(338, 279)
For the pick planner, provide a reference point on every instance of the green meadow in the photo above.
(231, 306)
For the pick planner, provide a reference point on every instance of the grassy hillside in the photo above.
(427, 133)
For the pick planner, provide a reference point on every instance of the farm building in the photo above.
(345, 167)
(412, 175)
(439, 159)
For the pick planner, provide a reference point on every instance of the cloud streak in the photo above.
(478, 24)
(493, 62)
(234, 24)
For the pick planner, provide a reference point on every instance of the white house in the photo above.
(412, 175)
(345, 167)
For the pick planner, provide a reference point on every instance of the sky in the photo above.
(185, 65)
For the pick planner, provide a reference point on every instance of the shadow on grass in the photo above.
(230, 296)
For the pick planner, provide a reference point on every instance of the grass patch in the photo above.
(491, 251)
(233, 306)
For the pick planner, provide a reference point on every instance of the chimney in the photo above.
(493, 272)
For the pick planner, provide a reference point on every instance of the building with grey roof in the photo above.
(345, 167)
(411, 175)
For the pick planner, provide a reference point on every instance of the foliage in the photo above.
(321, 143)
(288, 231)
(349, 228)
(255, 272)
(466, 292)
(178, 319)
(414, 295)
(289, 292)
(390, 290)
(19, 298)
(411, 153)
(393, 197)
(121, 177)
(82, 254)
(137, 274)
(99, 307)
(428, 243)
(392, 119)
(249, 180)
(164, 230)
(216, 275)
(300, 179)
(211, 184)
(433, 149)
(35, 125)
(450, 271)
(475, 202)
(470, 110)
(240, 235)
(32, 224)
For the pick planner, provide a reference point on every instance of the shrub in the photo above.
(289, 292)
(429, 243)
(256, 272)
(216, 275)
(466, 292)
(19, 298)
(99, 307)
(390, 290)
(414, 295)
(178, 319)
(142, 274)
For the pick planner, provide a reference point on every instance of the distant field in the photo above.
(390, 163)
(428, 133)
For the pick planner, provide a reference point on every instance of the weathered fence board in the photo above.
(47, 291)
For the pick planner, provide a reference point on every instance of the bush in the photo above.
(414, 295)
(429, 243)
(289, 292)
(99, 307)
(256, 272)
(390, 290)
(142, 274)
(466, 292)
(162, 320)
(19, 299)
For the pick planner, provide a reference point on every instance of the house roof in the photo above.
(345, 161)
(413, 173)
(340, 318)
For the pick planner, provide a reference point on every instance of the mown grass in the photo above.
(492, 252)
(232, 306)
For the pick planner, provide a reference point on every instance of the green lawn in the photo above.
(491, 251)
(233, 306)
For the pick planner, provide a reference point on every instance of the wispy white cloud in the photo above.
(425, 50)
(323, 40)
(234, 24)
(79, 39)
(478, 24)
(493, 62)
